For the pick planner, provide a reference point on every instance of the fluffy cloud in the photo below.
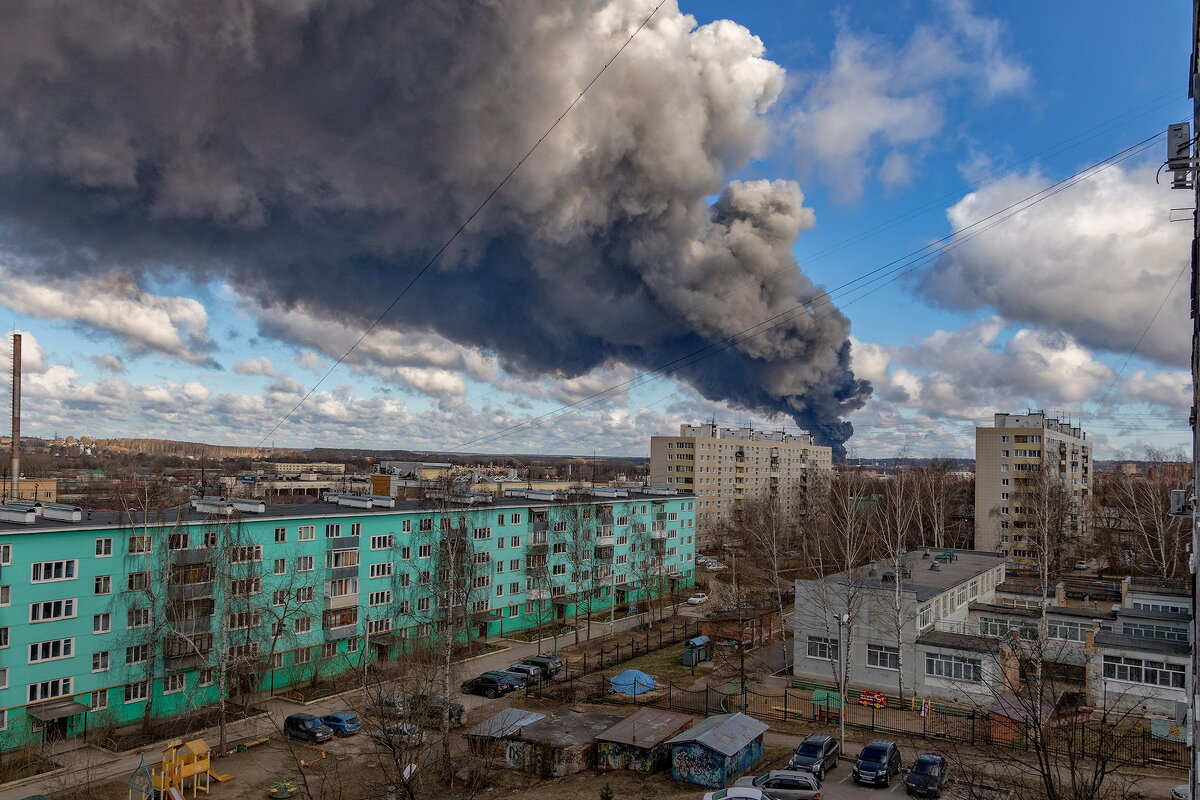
(871, 112)
(176, 327)
(255, 366)
(109, 362)
(1094, 261)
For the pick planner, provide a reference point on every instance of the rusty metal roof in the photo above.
(725, 733)
(646, 727)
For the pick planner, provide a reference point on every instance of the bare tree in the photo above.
(1133, 523)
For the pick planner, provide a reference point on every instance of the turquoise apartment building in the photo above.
(109, 619)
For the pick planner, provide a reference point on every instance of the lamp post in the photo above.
(843, 622)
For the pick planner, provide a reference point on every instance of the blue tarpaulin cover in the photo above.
(632, 681)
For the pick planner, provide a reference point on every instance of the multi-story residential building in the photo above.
(727, 467)
(107, 617)
(292, 468)
(1017, 461)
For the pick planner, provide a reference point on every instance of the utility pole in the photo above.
(1182, 181)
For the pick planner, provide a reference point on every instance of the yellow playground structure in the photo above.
(185, 765)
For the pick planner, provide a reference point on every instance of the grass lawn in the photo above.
(662, 664)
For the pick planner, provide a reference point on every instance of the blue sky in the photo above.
(899, 123)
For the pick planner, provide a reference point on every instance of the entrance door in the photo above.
(56, 729)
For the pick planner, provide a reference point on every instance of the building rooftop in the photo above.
(959, 641)
(725, 733)
(567, 728)
(925, 582)
(186, 515)
(1104, 611)
(1124, 641)
(646, 727)
(507, 722)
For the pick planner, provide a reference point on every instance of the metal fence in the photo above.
(639, 644)
(1129, 743)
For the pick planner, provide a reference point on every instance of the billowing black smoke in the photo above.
(314, 155)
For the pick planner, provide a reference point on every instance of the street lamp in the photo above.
(843, 622)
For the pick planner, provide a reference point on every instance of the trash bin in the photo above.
(696, 650)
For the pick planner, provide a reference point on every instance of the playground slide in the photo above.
(216, 776)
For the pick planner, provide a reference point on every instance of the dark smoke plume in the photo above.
(314, 155)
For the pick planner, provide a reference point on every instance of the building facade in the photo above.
(40, 490)
(728, 467)
(1017, 460)
(107, 619)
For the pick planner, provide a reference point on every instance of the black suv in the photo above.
(306, 728)
(426, 709)
(817, 754)
(493, 684)
(550, 664)
(877, 763)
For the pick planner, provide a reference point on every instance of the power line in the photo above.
(461, 227)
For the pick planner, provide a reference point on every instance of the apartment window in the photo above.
(379, 625)
(210, 539)
(140, 545)
(52, 610)
(208, 676)
(304, 594)
(499, 590)
(482, 582)
(383, 570)
(243, 652)
(101, 623)
(559, 548)
(423, 578)
(426, 525)
(304, 625)
(278, 629)
(245, 554)
(1069, 631)
(560, 526)
(138, 581)
(381, 598)
(405, 580)
(1151, 673)
(405, 553)
(306, 533)
(424, 551)
(1004, 481)
(1159, 607)
(279, 597)
(333, 531)
(280, 535)
(48, 690)
(304, 564)
(341, 587)
(281, 566)
(100, 661)
(423, 604)
(103, 548)
(514, 587)
(138, 618)
(98, 700)
(955, 668)
(559, 569)
(514, 565)
(241, 620)
(276, 661)
(103, 584)
(406, 526)
(136, 692)
(1155, 632)
(302, 656)
(883, 657)
(925, 617)
(173, 684)
(822, 648)
(177, 541)
(329, 650)
(137, 654)
(47, 571)
(341, 558)
(51, 650)
(405, 607)
(383, 542)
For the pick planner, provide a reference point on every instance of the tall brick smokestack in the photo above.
(16, 416)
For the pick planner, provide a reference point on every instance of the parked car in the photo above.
(306, 728)
(737, 793)
(714, 566)
(877, 763)
(1181, 792)
(929, 775)
(1081, 564)
(398, 734)
(526, 672)
(493, 684)
(816, 754)
(423, 709)
(549, 663)
(697, 599)
(342, 723)
(784, 784)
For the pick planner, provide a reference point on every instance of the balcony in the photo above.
(190, 591)
(193, 626)
(193, 556)
(339, 573)
(606, 540)
(341, 601)
(603, 553)
(541, 527)
(342, 543)
(658, 535)
(538, 549)
(538, 594)
(340, 632)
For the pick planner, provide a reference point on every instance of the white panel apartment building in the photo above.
(724, 467)
(1011, 454)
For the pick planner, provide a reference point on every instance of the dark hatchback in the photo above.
(306, 728)
(929, 776)
(816, 754)
(493, 684)
(877, 763)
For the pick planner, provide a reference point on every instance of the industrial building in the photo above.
(1019, 459)
(727, 467)
(104, 615)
